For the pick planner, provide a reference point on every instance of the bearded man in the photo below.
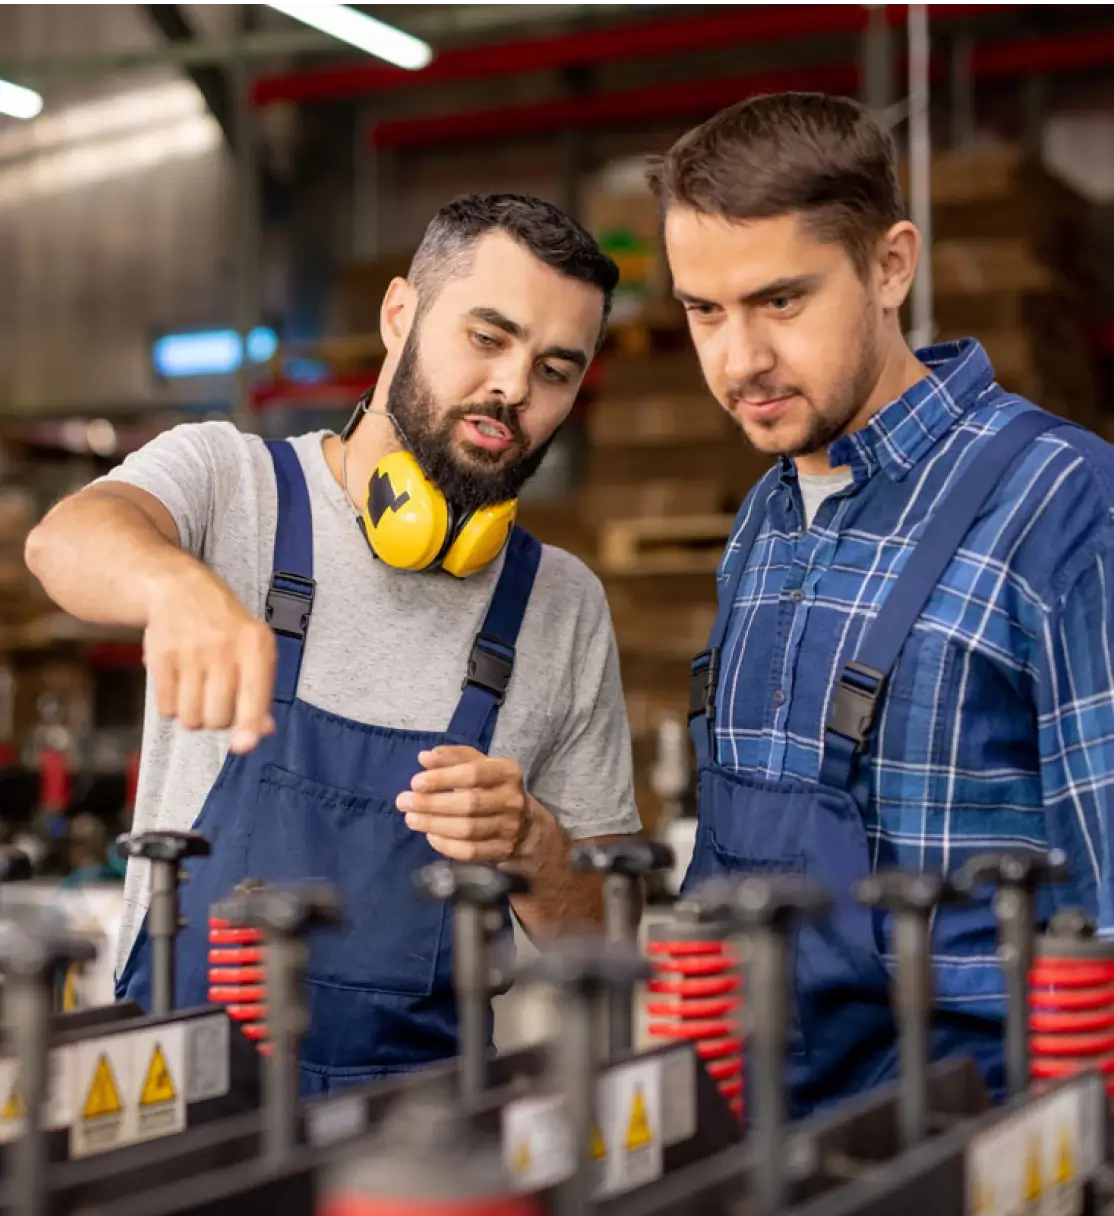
(357, 662)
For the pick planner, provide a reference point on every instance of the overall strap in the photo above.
(863, 679)
(704, 673)
(290, 595)
(491, 663)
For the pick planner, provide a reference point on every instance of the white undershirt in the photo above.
(816, 487)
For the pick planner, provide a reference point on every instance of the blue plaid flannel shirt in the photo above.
(997, 726)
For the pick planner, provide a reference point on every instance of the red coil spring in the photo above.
(238, 979)
(1071, 1007)
(699, 980)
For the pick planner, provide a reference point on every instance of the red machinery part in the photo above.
(696, 994)
(54, 780)
(1071, 1007)
(237, 977)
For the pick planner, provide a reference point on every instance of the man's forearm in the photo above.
(561, 898)
(97, 555)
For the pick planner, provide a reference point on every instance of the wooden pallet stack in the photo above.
(1011, 267)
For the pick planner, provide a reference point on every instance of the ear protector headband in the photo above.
(410, 525)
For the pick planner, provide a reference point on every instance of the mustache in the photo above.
(497, 411)
(760, 390)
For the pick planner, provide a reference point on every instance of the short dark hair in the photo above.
(552, 236)
(824, 158)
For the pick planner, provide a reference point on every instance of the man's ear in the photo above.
(396, 313)
(898, 253)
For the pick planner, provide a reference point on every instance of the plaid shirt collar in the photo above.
(901, 433)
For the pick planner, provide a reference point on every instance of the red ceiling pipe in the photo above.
(720, 28)
(1018, 58)
(632, 105)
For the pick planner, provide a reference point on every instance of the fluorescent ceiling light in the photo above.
(18, 102)
(366, 33)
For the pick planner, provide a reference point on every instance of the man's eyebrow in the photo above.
(578, 358)
(790, 285)
(500, 320)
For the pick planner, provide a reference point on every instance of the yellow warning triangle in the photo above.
(14, 1107)
(983, 1201)
(599, 1149)
(104, 1095)
(521, 1161)
(158, 1087)
(639, 1134)
(1033, 1184)
(1065, 1163)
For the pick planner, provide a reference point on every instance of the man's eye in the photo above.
(482, 339)
(553, 374)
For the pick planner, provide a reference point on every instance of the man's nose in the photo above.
(748, 354)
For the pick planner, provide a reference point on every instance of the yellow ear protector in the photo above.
(410, 525)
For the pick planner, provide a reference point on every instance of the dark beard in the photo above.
(467, 486)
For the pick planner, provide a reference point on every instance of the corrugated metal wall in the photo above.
(113, 216)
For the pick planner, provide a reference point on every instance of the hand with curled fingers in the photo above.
(212, 662)
(471, 807)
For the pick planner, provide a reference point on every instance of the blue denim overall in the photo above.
(316, 800)
(842, 1035)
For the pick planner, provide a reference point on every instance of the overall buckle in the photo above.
(856, 701)
(288, 607)
(489, 667)
(703, 682)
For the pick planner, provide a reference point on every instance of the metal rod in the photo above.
(963, 91)
(285, 1021)
(767, 996)
(920, 173)
(163, 922)
(245, 229)
(618, 926)
(27, 1003)
(914, 989)
(576, 1062)
(470, 965)
(1014, 909)
(877, 60)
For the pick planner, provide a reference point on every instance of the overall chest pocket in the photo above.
(391, 940)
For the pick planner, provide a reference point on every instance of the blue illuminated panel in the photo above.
(210, 352)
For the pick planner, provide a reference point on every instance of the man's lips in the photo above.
(486, 433)
(769, 407)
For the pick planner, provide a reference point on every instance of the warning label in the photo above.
(14, 1107)
(537, 1145)
(1036, 1161)
(101, 1117)
(630, 1109)
(639, 1135)
(158, 1095)
(159, 1098)
(103, 1098)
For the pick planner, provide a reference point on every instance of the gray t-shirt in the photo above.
(386, 647)
(815, 488)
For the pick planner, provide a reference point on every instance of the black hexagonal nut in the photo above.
(586, 964)
(469, 882)
(633, 858)
(172, 847)
(282, 911)
(1025, 869)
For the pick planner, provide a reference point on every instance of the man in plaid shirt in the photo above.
(913, 657)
